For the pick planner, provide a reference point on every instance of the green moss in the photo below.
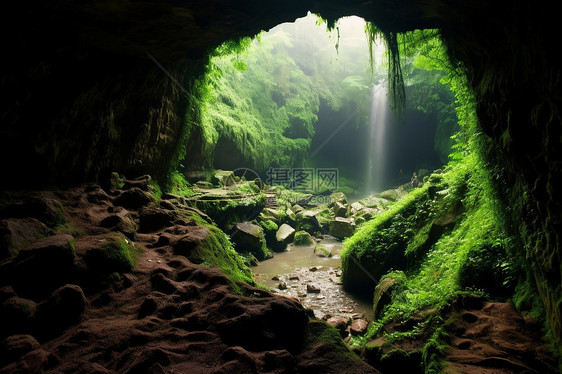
(116, 254)
(217, 251)
(434, 351)
(269, 225)
(179, 186)
(319, 333)
(303, 238)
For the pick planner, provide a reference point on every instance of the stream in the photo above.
(313, 280)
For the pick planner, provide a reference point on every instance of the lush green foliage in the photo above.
(474, 254)
(262, 101)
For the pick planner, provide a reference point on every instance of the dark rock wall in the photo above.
(515, 75)
(83, 97)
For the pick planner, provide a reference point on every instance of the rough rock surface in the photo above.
(166, 314)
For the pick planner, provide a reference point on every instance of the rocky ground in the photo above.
(97, 281)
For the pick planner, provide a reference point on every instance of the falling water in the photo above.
(377, 147)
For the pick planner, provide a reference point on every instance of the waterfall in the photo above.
(376, 157)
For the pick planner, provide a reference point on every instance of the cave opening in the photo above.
(168, 179)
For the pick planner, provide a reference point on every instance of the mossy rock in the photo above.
(249, 237)
(302, 238)
(322, 251)
(113, 253)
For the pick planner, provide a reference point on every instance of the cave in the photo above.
(96, 91)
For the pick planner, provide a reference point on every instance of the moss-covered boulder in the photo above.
(306, 221)
(381, 243)
(342, 228)
(283, 237)
(269, 230)
(248, 237)
(112, 252)
(302, 238)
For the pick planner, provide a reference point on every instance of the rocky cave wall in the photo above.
(85, 91)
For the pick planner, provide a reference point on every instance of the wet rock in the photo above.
(340, 323)
(306, 221)
(323, 250)
(342, 227)
(358, 327)
(312, 289)
(315, 268)
(339, 209)
(338, 197)
(135, 198)
(17, 233)
(302, 238)
(249, 237)
(284, 236)
(282, 286)
(15, 346)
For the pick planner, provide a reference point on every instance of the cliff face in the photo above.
(86, 91)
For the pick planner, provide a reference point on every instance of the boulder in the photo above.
(153, 219)
(47, 210)
(306, 221)
(342, 227)
(340, 210)
(249, 237)
(121, 220)
(358, 327)
(302, 238)
(340, 323)
(310, 288)
(18, 315)
(111, 253)
(338, 197)
(283, 237)
(61, 309)
(225, 177)
(134, 198)
(43, 266)
(323, 250)
(17, 233)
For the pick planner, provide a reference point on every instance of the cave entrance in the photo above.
(303, 96)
